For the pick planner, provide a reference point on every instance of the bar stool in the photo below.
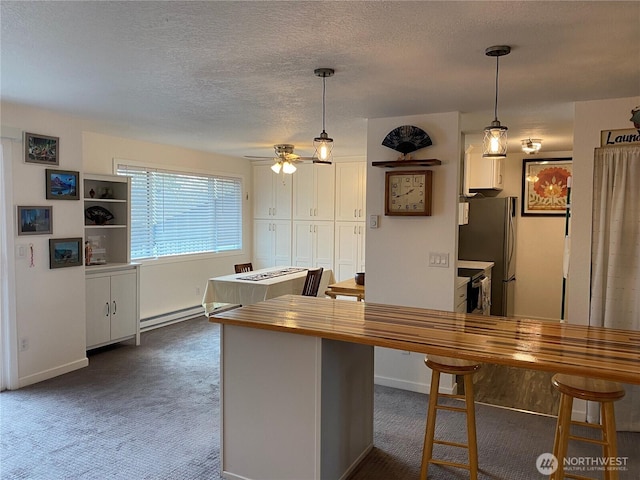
(453, 366)
(596, 390)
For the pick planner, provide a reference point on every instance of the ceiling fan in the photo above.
(285, 159)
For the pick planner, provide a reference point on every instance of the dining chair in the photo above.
(243, 267)
(312, 282)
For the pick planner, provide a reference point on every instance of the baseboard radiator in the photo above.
(165, 319)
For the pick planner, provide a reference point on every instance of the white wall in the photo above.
(590, 118)
(49, 304)
(397, 252)
(171, 285)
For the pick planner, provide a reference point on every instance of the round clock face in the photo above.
(408, 193)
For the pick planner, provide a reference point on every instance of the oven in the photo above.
(474, 291)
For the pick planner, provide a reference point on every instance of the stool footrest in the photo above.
(576, 477)
(450, 408)
(597, 426)
(450, 464)
(451, 444)
(588, 440)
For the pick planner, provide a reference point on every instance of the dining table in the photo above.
(297, 373)
(346, 288)
(255, 286)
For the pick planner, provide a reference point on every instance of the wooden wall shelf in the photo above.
(431, 162)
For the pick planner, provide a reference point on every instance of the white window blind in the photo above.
(174, 213)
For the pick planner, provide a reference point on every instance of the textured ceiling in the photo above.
(237, 77)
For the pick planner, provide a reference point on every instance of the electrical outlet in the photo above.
(24, 344)
(374, 221)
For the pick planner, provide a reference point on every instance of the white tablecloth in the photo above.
(232, 289)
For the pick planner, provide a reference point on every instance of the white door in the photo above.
(281, 235)
(303, 237)
(263, 244)
(324, 188)
(303, 192)
(123, 305)
(346, 250)
(262, 191)
(98, 309)
(323, 248)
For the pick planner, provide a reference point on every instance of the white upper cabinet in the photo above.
(271, 194)
(485, 173)
(313, 192)
(351, 179)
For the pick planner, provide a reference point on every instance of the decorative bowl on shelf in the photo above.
(359, 278)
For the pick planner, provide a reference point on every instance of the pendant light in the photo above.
(531, 146)
(494, 144)
(323, 143)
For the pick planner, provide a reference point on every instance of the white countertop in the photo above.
(474, 264)
(460, 281)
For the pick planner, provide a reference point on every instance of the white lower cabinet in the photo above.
(112, 305)
(271, 243)
(313, 244)
(350, 241)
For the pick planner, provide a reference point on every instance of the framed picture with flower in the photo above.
(545, 185)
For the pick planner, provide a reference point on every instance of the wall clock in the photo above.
(408, 193)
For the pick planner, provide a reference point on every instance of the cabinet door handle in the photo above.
(274, 211)
(355, 230)
(315, 212)
(355, 212)
(107, 310)
(114, 307)
(360, 230)
(310, 228)
(315, 229)
(359, 212)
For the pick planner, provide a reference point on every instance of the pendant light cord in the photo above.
(495, 107)
(324, 88)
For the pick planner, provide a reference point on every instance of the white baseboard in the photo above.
(409, 386)
(52, 372)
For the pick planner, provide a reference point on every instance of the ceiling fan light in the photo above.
(531, 146)
(276, 167)
(288, 167)
(494, 144)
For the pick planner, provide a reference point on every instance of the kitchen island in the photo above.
(297, 373)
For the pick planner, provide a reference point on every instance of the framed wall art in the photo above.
(65, 252)
(41, 149)
(35, 220)
(62, 185)
(545, 186)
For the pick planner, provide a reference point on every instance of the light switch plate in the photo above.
(374, 221)
(438, 259)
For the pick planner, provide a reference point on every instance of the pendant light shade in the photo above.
(323, 144)
(494, 144)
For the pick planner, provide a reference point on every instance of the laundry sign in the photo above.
(628, 136)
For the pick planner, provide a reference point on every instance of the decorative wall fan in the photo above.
(285, 159)
(407, 139)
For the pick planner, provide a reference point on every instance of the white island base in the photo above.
(293, 406)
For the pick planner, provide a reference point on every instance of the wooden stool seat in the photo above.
(595, 390)
(453, 366)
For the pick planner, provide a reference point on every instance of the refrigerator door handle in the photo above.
(512, 278)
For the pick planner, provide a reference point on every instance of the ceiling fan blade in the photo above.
(259, 158)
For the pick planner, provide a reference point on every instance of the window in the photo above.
(179, 213)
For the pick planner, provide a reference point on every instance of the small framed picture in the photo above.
(545, 184)
(41, 149)
(35, 220)
(62, 185)
(65, 252)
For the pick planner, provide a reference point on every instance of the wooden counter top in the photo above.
(539, 345)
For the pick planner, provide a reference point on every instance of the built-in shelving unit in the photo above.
(112, 282)
(430, 162)
(110, 240)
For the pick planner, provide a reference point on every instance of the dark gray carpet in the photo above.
(152, 412)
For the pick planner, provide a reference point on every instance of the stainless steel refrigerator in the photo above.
(490, 236)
